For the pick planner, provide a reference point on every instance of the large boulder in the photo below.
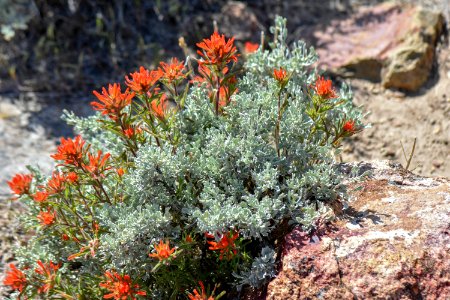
(393, 242)
(389, 43)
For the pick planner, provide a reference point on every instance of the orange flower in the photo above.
(49, 272)
(120, 172)
(15, 278)
(120, 287)
(324, 88)
(160, 106)
(226, 244)
(70, 151)
(72, 177)
(349, 127)
(97, 164)
(40, 196)
(163, 250)
(20, 184)
(141, 82)
(280, 75)
(217, 51)
(173, 71)
(130, 131)
(56, 184)
(90, 248)
(202, 296)
(112, 101)
(46, 218)
(251, 47)
(224, 96)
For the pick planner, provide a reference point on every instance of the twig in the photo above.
(411, 154)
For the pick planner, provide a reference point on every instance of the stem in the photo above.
(277, 126)
(74, 212)
(100, 185)
(147, 105)
(130, 146)
(85, 203)
(217, 96)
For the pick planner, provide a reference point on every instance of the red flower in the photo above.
(224, 96)
(40, 196)
(65, 237)
(20, 184)
(49, 272)
(46, 218)
(251, 47)
(142, 81)
(163, 251)
(226, 244)
(56, 184)
(97, 164)
(202, 296)
(120, 287)
(324, 88)
(70, 151)
(188, 239)
(349, 127)
(160, 106)
(120, 172)
(112, 101)
(217, 51)
(15, 278)
(280, 75)
(72, 177)
(130, 131)
(173, 71)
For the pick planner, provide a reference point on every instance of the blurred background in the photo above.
(53, 53)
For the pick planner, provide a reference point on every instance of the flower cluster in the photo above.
(120, 287)
(225, 245)
(20, 184)
(163, 251)
(217, 51)
(15, 278)
(215, 55)
(44, 277)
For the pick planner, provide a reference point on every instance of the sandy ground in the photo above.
(398, 118)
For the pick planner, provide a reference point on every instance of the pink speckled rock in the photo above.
(388, 42)
(393, 243)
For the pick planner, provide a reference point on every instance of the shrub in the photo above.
(204, 172)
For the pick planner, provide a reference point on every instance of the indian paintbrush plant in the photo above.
(182, 183)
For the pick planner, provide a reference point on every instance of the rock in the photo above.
(238, 20)
(393, 242)
(388, 43)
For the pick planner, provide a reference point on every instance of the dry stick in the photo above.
(182, 44)
(408, 160)
(262, 41)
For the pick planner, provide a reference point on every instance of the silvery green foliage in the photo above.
(295, 59)
(261, 270)
(132, 230)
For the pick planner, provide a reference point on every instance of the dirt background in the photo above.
(71, 47)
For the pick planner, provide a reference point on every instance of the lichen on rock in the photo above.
(392, 242)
